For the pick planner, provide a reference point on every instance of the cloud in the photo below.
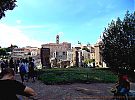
(11, 35)
(18, 21)
(31, 26)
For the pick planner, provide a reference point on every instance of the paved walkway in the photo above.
(94, 91)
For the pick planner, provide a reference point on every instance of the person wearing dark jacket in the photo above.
(10, 88)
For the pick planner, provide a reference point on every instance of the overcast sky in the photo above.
(35, 22)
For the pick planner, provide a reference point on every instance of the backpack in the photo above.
(22, 68)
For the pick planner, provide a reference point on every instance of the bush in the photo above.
(76, 75)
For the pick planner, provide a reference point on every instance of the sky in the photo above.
(37, 22)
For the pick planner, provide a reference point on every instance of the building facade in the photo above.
(25, 52)
(58, 51)
(76, 57)
(54, 47)
(98, 55)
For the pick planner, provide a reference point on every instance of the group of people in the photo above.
(9, 87)
(11, 63)
(5, 64)
(26, 69)
(23, 66)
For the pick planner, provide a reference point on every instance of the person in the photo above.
(31, 73)
(22, 70)
(122, 86)
(10, 88)
(27, 69)
(11, 63)
(16, 65)
(2, 65)
(6, 63)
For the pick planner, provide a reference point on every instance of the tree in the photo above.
(89, 61)
(5, 51)
(119, 43)
(12, 47)
(86, 49)
(6, 5)
(2, 52)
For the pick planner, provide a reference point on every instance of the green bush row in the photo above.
(75, 75)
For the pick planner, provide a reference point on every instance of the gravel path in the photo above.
(93, 91)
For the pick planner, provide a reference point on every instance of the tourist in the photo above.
(22, 70)
(123, 84)
(31, 69)
(27, 69)
(3, 65)
(11, 64)
(10, 88)
(122, 87)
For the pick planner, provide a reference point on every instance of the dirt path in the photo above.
(95, 91)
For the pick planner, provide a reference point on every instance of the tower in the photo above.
(57, 39)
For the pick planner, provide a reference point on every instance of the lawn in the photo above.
(76, 75)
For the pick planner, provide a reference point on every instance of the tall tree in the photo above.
(6, 5)
(119, 43)
(2, 52)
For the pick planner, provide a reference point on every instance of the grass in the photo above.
(76, 75)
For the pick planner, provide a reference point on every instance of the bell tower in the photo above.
(57, 39)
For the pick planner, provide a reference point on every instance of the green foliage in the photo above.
(2, 52)
(76, 75)
(86, 49)
(6, 5)
(88, 61)
(119, 43)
